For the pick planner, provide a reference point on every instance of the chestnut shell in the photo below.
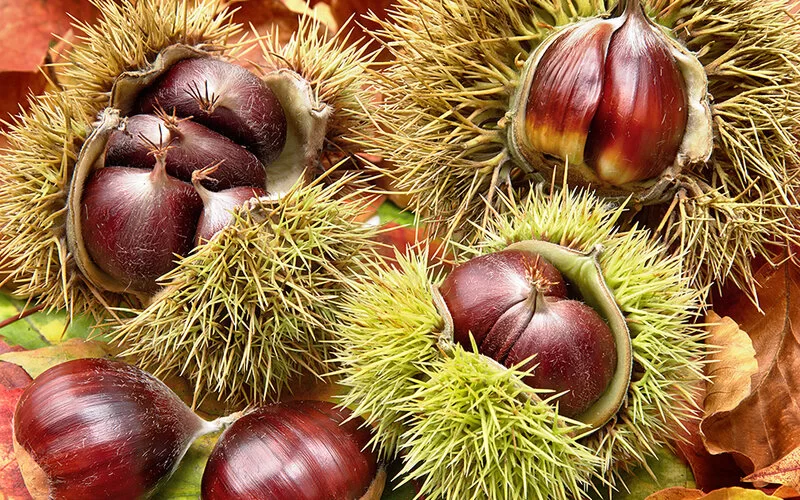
(103, 429)
(300, 450)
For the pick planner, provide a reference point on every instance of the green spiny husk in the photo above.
(252, 308)
(44, 142)
(456, 70)
(454, 411)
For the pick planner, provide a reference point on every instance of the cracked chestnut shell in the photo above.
(515, 306)
(619, 101)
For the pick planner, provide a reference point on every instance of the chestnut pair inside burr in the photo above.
(172, 174)
(514, 307)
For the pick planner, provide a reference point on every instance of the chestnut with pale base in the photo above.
(103, 429)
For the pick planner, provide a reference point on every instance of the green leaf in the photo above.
(185, 482)
(20, 332)
(41, 328)
(38, 360)
(665, 471)
(389, 212)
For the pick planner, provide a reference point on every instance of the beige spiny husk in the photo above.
(283, 258)
(458, 65)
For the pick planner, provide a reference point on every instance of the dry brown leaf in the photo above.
(785, 471)
(721, 494)
(765, 425)
(731, 367)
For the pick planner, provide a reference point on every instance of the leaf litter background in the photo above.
(745, 443)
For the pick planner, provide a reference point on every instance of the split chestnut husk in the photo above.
(458, 372)
(287, 133)
(299, 450)
(522, 317)
(686, 107)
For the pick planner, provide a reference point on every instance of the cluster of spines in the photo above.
(252, 308)
(397, 372)
(652, 290)
(43, 145)
(458, 64)
(45, 141)
(335, 69)
(129, 34)
(454, 411)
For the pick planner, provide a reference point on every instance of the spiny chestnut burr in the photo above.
(514, 304)
(224, 97)
(191, 147)
(300, 450)
(218, 206)
(610, 94)
(134, 222)
(104, 429)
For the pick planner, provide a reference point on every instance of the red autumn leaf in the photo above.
(13, 381)
(28, 27)
(26, 33)
(764, 426)
(396, 238)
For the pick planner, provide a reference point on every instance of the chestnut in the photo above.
(218, 206)
(104, 429)
(134, 222)
(191, 147)
(299, 450)
(514, 305)
(224, 97)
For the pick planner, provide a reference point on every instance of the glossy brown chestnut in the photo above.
(218, 206)
(300, 450)
(480, 292)
(102, 429)
(515, 305)
(135, 221)
(224, 97)
(191, 147)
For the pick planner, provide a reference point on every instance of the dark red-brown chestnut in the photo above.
(218, 206)
(102, 429)
(224, 97)
(191, 147)
(299, 450)
(479, 293)
(135, 221)
(515, 305)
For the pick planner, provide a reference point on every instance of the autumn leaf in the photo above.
(730, 367)
(764, 426)
(785, 471)
(13, 381)
(38, 360)
(721, 494)
(26, 33)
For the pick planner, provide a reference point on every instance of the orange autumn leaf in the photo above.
(735, 493)
(26, 33)
(731, 367)
(764, 426)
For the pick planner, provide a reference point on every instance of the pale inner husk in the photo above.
(582, 270)
(306, 116)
